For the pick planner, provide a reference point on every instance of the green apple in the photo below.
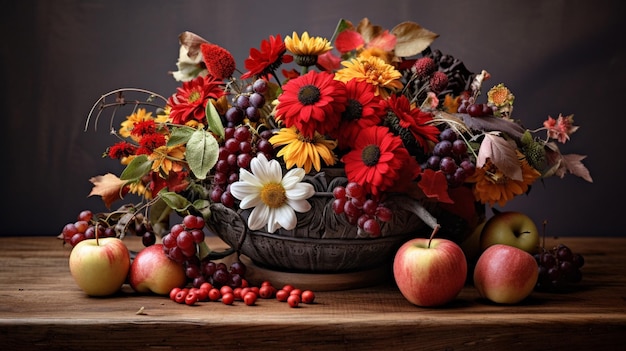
(510, 228)
(100, 266)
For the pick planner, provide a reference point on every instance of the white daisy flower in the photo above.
(274, 198)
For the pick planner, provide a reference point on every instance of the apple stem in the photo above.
(432, 235)
(97, 238)
(545, 224)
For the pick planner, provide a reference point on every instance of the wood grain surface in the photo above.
(41, 308)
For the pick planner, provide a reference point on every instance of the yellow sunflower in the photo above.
(138, 116)
(306, 48)
(373, 70)
(304, 152)
(492, 186)
(165, 158)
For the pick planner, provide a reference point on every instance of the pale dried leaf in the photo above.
(368, 30)
(107, 186)
(573, 165)
(192, 42)
(412, 38)
(502, 154)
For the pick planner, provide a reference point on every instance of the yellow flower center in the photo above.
(273, 195)
(195, 95)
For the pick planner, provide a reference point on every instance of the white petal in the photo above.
(246, 176)
(272, 223)
(300, 191)
(286, 217)
(293, 177)
(251, 200)
(299, 205)
(242, 189)
(258, 217)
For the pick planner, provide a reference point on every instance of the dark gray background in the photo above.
(58, 57)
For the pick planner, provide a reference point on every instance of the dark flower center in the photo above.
(309, 94)
(353, 111)
(370, 155)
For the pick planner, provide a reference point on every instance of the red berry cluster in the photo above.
(360, 210)
(206, 292)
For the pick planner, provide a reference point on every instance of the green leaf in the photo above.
(159, 216)
(137, 168)
(204, 207)
(174, 201)
(203, 250)
(180, 136)
(214, 120)
(201, 154)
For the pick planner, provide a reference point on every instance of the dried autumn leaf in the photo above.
(368, 30)
(108, 186)
(502, 154)
(412, 38)
(571, 163)
(192, 42)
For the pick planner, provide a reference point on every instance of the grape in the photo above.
(242, 133)
(459, 147)
(360, 209)
(257, 100)
(354, 190)
(443, 148)
(448, 165)
(448, 134)
(475, 110)
(85, 215)
(260, 86)
(253, 113)
(148, 239)
(242, 101)
(234, 115)
(433, 162)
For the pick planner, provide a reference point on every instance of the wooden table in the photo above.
(42, 308)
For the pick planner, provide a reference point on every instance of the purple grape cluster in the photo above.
(248, 104)
(559, 268)
(450, 156)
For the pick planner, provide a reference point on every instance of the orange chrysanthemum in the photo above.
(492, 186)
(373, 70)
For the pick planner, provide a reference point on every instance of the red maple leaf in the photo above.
(435, 186)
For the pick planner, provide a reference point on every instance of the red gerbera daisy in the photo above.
(263, 62)
(312, 102)
(363, 109)
(190, 100)
(413, 119)
(219, 61)
(379, 161)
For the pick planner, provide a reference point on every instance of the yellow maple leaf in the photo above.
(108, 186)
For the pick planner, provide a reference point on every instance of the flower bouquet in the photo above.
(323, 154)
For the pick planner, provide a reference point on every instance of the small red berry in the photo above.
(228, 298)
(191, 298)
(180, 296)
(282, 295)
(308, 296)
(293, 300)
(214, 294)
(249, 298)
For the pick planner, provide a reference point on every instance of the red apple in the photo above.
(510, 228)
(430, 272)
(152, 271)
(100, 266)
(505, 274)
